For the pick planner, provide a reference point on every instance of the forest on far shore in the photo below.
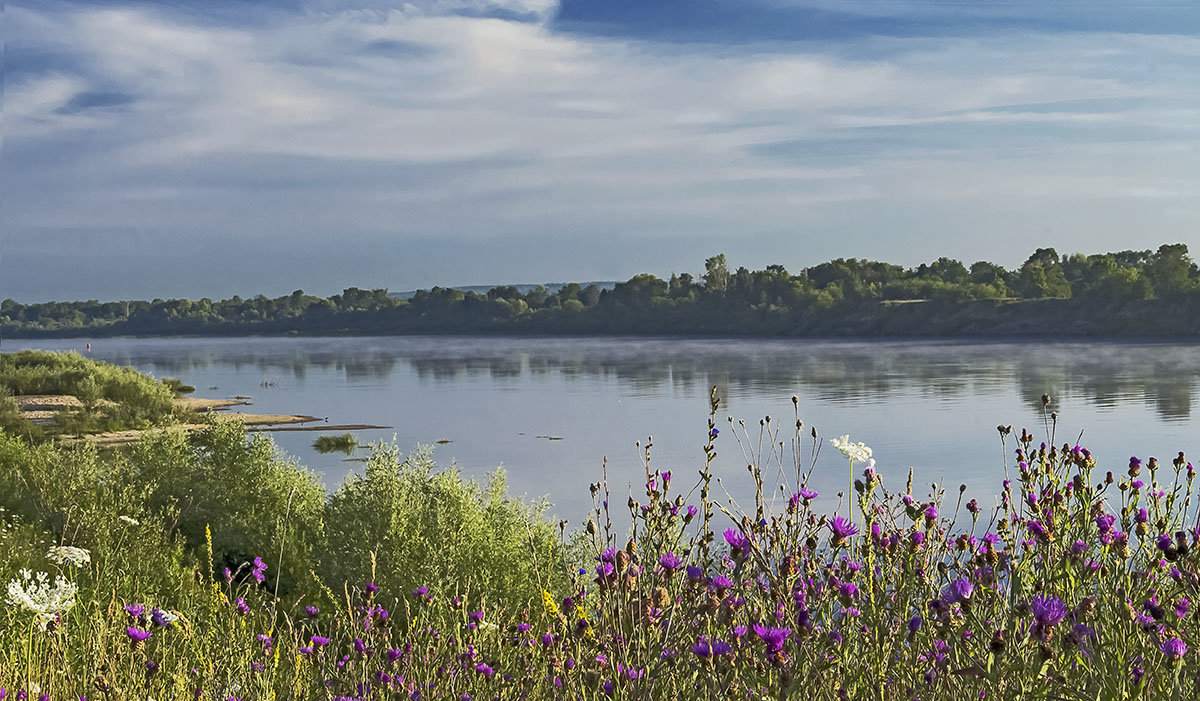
(1128, 293)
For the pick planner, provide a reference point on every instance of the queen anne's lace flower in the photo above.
(68, 555)
(857, 452)
(34, 594)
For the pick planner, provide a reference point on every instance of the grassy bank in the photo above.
(210, 566)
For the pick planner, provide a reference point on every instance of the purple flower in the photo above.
(137, 635)
(240, 604)
(914, 624)
(705, 649)
(1048, 611)
(420, 591)
(848, 590)
(312, 611)
(694, 573)
(1174, 648)
(957, 591)
(692, 511)
(1182, 607)
(260, 568)
(670, 562)
(808, 494)
(135, 611)
(318, 641)
(1142, 516)
(736, 539)
(842, 529)
(371, 588)
(1079, 547)
(721, 582)
(773, 637)
(917, 538)
(931, 513)
(161, 618)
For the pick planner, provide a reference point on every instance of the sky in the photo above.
(205, 148)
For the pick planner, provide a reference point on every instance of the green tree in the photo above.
(716, 274)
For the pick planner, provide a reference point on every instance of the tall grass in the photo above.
(1079, 583)
(112, 397)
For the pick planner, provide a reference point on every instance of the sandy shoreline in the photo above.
(42, 409)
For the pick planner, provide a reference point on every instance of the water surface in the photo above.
(550, 410)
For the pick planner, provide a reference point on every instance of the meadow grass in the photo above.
(409, 582)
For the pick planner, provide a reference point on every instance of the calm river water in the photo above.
(550, 410)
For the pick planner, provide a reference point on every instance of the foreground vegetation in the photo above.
(211, 567)
(1128, 293)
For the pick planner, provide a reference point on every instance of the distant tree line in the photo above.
(1125, 293)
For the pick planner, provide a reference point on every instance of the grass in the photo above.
(112, 398)
(246, 581)
(345, 443)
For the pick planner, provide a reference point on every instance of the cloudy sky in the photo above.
(218, 147)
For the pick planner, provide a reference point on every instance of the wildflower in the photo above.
(1174, 648)
(371, 588)
(958, 591)
(1182, 606)
(931, 513)
(773, 637)
(420, 591)
(240, 605)
(1048, 611)
(670, 562)
(914, 624)
(137, 636)
(737, 540)
(34, 594)
(162, 619)
(259, 570)
(842, 529)
(68, 555)
(694, 573)
(721, 583)
(318, 641)
(706, 649)
(691, 513)
(135, 610)
(856, 452)
(129, 520)
(311, 611)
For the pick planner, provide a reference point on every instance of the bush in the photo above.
(112, 397)
(424, 527)
(254, 501)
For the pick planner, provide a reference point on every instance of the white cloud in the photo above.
(523, 129)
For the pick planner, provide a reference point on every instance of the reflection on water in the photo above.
(933, 405)
(1164, 376)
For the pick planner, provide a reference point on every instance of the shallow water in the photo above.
(550, 410)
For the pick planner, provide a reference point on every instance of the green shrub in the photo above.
(256, 502)
(426, 527)
(113, 397)
(329, 444)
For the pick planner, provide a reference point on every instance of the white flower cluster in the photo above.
(34, 594)
(68, 555)
(857, 452)
(129, 520)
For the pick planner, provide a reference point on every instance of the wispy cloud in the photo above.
(489, 122)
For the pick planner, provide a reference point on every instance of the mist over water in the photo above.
(551, 410)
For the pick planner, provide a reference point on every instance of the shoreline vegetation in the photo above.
(211, 566)
(1128, 294)
(75, 399)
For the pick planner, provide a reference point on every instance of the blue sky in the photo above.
(215, 147)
